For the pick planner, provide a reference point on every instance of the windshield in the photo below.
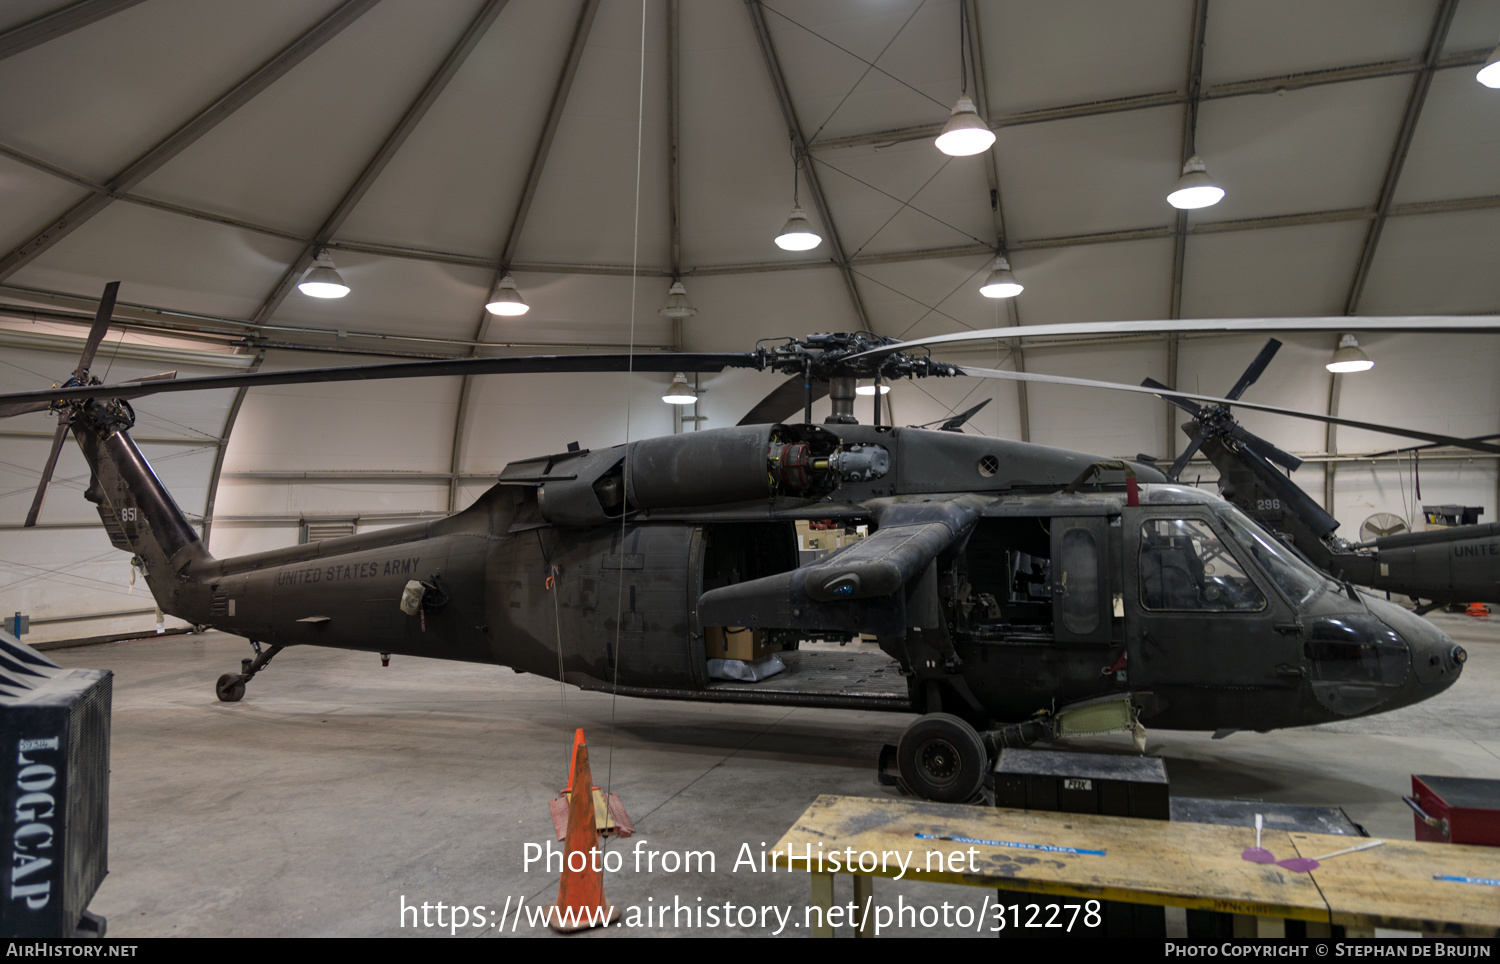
(1298, 579)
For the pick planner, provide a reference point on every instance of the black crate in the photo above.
(54, 793)
(1099, 783)
(1113, 786)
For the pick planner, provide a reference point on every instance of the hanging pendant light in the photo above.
(1489, 74)
(797, 234)
(677, 307)
(506, 298)
(965, 133)
(1001, 282)
(1195, 189)
(1349, 357)
(323, 280)
(680, 392)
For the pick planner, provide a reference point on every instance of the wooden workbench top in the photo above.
(1394, 885)
(1143, 861)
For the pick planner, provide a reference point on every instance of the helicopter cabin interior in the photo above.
(1027, 580)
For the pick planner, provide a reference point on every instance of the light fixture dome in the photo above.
(1001, 282)
(1349, 357)
(965, 133)
(870, 390)
(680, 392)
(1489, 74)
(798, 234)
(677, 307)
(323, 280)
(1195, 189)
(506, 298)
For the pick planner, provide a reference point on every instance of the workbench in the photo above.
(1195, 866)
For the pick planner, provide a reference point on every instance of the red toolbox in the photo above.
(1456, 810)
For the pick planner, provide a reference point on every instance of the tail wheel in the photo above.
(230, 687)
(941, 757)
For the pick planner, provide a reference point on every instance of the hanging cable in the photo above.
(614, 697)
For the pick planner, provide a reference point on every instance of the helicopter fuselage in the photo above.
(617, 569)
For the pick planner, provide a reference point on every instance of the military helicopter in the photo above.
(1015, 591)
(1453, 565)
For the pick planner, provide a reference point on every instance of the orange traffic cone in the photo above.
(580, 894)
(1478, 609)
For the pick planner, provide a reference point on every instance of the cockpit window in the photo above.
(1299, 580)
(1186, 568)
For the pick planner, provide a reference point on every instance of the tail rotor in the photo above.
(80, 376)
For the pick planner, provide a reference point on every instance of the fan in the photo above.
(1381, 524)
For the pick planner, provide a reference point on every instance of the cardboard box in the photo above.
(745, 644)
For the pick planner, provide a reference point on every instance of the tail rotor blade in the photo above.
(1301, 504)
(1182, 460)
(41, 489)
(1266, 450)
(1256, 369)
(101, 326)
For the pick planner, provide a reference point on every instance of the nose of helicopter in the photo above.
(1436, 660)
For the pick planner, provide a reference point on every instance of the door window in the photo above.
(1185, 567)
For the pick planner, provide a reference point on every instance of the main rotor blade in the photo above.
(1182, 403)
(1343, 323)
(1256, 368)
(1254, 406)
(522, 364)
(99, 329)
(1432, 445)
(784, 402)
(10, 409)
(41, 488)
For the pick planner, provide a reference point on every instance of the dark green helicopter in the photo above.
(1460, 564)
(1015, 591)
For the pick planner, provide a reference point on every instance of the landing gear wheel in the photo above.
(941, 757)
(230, 688)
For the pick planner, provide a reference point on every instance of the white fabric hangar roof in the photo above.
(202, 152)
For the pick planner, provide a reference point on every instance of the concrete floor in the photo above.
(338, 789)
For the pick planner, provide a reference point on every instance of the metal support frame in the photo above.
(1194, 91)
(1409, 209)
(189, 131)
(1170, 98)
(1421, 83)
(377, 163)
(560, 93)
(221, 450)
(1414, 101)
(56, 23)
(799, 144)
(351, 197)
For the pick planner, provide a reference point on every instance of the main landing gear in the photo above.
(231, 686)
(941, 757)
(944, 758)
